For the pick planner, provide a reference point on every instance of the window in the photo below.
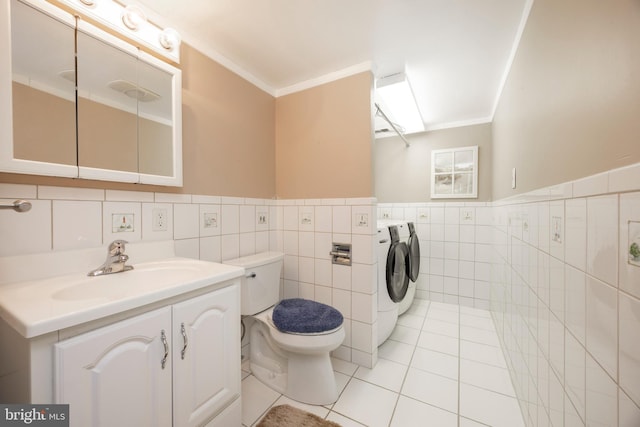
(454, 173)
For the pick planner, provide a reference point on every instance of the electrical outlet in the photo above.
(159, 219)
(262, 218)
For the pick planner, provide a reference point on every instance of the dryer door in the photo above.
(413, 267)
(397, 278)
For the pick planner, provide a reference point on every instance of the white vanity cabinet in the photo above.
(176, 365)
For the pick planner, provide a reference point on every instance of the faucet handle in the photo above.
(117, 247)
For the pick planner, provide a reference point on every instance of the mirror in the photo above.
(43, 108)
(155, 119)
(107, 117)
(127, 105)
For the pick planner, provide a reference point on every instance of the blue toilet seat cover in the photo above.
(303, 316)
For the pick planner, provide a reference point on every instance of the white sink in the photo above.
(145, 277)
(35, 307)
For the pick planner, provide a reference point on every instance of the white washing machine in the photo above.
(393, 280)
(412, 264)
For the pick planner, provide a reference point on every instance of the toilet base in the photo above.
(312, 380)
(306, 378)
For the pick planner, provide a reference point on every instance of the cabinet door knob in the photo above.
(163, 337)
(184, 338)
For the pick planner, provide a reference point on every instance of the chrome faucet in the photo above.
(116, 260)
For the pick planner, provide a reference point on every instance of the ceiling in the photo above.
(456, 53)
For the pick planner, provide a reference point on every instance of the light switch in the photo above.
(362, 220)
(122, 223)
(210, 219)
(306, 218)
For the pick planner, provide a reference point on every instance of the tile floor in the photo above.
(441, 367)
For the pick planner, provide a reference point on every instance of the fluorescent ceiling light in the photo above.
(399, 103)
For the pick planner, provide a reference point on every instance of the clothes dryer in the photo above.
(397, 268)
(412, 264)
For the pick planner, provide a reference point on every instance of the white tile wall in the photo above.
(186, 220)
(554, 269)
(629, 273)
(76, 224)
(602, 238)
(27, 232)
(629, 347)
(217, 229)
(570, 331)
(455, 249)
(602, 320)
(576, 244)
(601, 396)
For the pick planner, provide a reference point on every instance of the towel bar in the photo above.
(18, 206)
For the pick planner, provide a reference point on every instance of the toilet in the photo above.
(293, 360)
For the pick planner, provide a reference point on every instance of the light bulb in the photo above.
(169, 39)
(133, 17)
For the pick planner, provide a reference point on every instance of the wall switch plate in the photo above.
(210, 220)
(122, 223)
(466, 215)
(306, 218)
(362, 220)
(556, 229)
(159, 219)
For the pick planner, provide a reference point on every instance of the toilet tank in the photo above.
(260, 288)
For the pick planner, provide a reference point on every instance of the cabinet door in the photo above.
(113, 376)
(207, 378)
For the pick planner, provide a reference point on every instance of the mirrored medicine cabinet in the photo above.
(83, 103)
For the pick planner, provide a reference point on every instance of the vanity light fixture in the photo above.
(133, 17)
(131, 22)
(169, 39)
(399, 102)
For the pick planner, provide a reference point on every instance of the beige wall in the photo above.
(324, 140)
(228, 136)
(402, 174)
(228, 132)
(571, 106)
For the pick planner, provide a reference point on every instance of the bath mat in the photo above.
(304, 316)
(288, 416)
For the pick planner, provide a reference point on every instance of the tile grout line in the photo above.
(459, 359)
(406, 374)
